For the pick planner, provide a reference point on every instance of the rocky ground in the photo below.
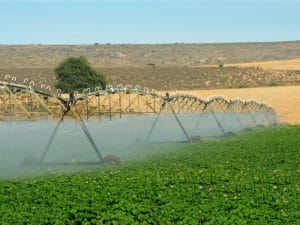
(162, 67)
(176, 78)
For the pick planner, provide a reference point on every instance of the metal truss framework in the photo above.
(27, 102)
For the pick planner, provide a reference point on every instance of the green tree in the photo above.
(76, 73)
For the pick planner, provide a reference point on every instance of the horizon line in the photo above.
(149, 43)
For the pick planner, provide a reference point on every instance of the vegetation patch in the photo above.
(251, 178)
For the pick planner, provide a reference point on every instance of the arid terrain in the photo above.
(177, 78)
(211, 68)
(141, 55)
(165, 66)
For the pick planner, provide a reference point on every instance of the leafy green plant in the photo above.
(250, 178)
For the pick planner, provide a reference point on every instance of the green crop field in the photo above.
(250, 178)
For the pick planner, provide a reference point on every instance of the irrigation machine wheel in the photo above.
(111, 160)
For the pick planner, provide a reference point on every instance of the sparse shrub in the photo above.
(151, 64)
(273, 83)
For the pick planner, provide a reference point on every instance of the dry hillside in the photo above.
(167, 66)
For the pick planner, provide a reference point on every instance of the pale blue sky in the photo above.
(146, 21)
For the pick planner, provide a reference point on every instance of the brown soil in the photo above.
(164, 67)
(176, 78)
(140, 55)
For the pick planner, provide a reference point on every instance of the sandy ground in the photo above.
(292, 64)
(285, 100)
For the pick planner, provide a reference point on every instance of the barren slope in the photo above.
(164, 66)
(139, 55)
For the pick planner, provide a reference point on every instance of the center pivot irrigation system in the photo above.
(28, 102)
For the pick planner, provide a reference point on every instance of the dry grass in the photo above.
(285, 100)
(292, 64)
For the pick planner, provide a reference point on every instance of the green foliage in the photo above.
(251, 178)
(75, 74)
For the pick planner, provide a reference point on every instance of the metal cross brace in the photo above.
(166, 102)
(83, 126)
